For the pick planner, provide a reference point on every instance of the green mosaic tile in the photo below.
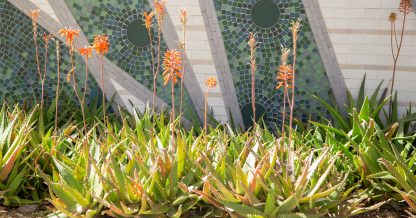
(19, 79)
(236, 22)
(113, 18)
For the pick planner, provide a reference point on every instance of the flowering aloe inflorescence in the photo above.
(101, 46)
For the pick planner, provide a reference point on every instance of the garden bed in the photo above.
(136, 167)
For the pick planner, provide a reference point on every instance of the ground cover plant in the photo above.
(127, 172)
(92, 161)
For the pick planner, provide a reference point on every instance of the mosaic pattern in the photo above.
(113, 18)
(19, 79)
(236, 22)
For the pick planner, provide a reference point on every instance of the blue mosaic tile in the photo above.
(113, 19)
(19, 79)
(236, 22)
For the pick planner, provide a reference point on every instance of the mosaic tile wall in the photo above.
(19, 79)
(113, 18)
(236, 21)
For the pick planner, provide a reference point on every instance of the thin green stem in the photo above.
(395, 59)
(158, 66)
(84, 94)
(173, 116)
(102, 86)
(183, 68)
(35, 39)
(57, 87)
(43, 76)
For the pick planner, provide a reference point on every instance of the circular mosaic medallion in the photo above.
(137, 33)
(265, 13)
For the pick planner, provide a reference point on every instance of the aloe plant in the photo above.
(15, 130)
(382, 158)
(75, 187)
(146, 180)
(128, 172)
(254, 181)
(376, 108)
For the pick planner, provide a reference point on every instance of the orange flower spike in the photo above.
(86, 51)
(68, 77)
(34, 14)
(211, 82)
(184, 16)
(285, 71)
(172, 64)
(392, 17)
(101, 44)
(46, 38)
(285, 76)
(148, 19)
(69, 35)
(160, 7)
(405, 6)
(160, 10)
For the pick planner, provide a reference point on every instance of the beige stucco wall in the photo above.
(360, 33)
(198, 51)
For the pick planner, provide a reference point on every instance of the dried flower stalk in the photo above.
(34, 14)
(160, 12)
(210, 82)
(405, 7)
(184, 19)
(253, 66)
(58, 61)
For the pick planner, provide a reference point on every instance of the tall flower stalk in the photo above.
(172, 64)
(101, 46)
(160, 13)
(34, 14)
(290, 161)
(210, 82)
(405, 8)
(184, 19)
(295, 31)
(285, 81)
(253, 66)
(87, 53)
(69, 35)
(148, 21)
(46, 39)
(58, 61)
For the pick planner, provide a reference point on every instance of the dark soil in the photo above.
(38, 211)
(29, 211)
(386, 213)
